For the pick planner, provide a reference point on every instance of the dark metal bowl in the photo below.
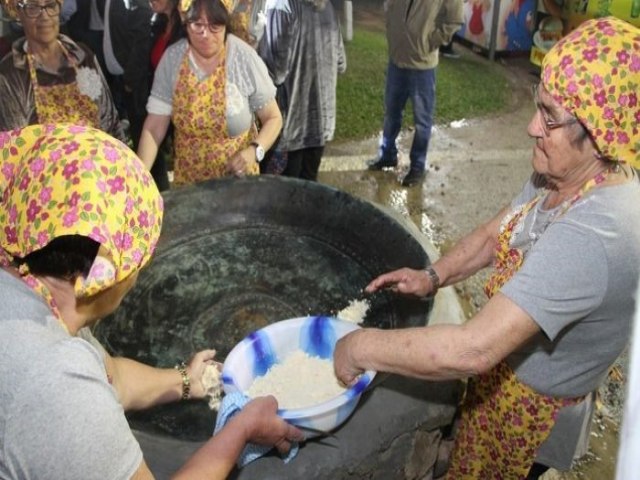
(238, 254)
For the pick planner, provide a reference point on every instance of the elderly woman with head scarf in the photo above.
(80, 216)
(211, 85)
(566, 263)
(48, 78)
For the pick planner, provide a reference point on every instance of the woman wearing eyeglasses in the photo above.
(48, 78)
(562, 291)
(213, 87)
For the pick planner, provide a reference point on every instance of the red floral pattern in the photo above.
(503, 424)
(62, 103)
(594, 73)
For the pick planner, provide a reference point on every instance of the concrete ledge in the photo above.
(376, 442)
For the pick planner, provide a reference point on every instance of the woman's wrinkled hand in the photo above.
(263, 426)
(196, 368)
(405, 280)
(344, 364)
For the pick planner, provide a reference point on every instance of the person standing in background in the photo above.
(69, 8)
(127, 46)
(303, 50)
(48, 78)
(415, 31)
(214, 88)
(86, 25)
(166, 29)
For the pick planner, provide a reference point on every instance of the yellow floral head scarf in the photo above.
(10, 7)
(60, 180)
(594, 73)
(185, 5)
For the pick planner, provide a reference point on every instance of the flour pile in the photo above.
(299, 381)
(355, 312)
(212, 383)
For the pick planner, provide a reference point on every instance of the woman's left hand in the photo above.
(407, 281)
(240, 162)
(195, 370)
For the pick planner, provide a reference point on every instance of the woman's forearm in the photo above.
(471, 253)
(217, 457)
(439, 352)
(141, 386)
(153, 133)
(271, 124)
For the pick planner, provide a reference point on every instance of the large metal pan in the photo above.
(238, 254)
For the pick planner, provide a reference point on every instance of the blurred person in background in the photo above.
(415, 31)
(213, 87)
(166, 29)
(126, 46)
(303, 50)
(48, 78)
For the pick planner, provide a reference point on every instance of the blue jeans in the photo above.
(420, 87)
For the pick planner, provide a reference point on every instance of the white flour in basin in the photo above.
(299, 381)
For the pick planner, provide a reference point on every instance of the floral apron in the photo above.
(63, 103)
(202, 145)
(504, 421)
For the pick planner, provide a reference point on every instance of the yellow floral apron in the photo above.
(504, 421)
(202, 145)
(63, 103)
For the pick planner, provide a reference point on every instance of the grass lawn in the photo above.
(466, 87)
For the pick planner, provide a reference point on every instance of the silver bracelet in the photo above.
(435, 279)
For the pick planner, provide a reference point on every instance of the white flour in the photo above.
(355, 312)
(212, 383)
(299, 381)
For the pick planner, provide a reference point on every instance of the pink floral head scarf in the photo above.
(60, 180)
(594, 73)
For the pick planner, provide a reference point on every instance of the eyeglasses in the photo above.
(548, 124)
(200, 27)
(33, 10)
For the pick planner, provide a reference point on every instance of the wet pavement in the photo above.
(474, 169)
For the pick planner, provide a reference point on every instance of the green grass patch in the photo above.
(466, 87)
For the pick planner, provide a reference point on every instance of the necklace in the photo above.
(552, 215)
(536, 231)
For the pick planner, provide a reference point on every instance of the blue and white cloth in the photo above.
(232, 404)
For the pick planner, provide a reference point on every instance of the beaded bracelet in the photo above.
(186, 382)
(435, 279)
